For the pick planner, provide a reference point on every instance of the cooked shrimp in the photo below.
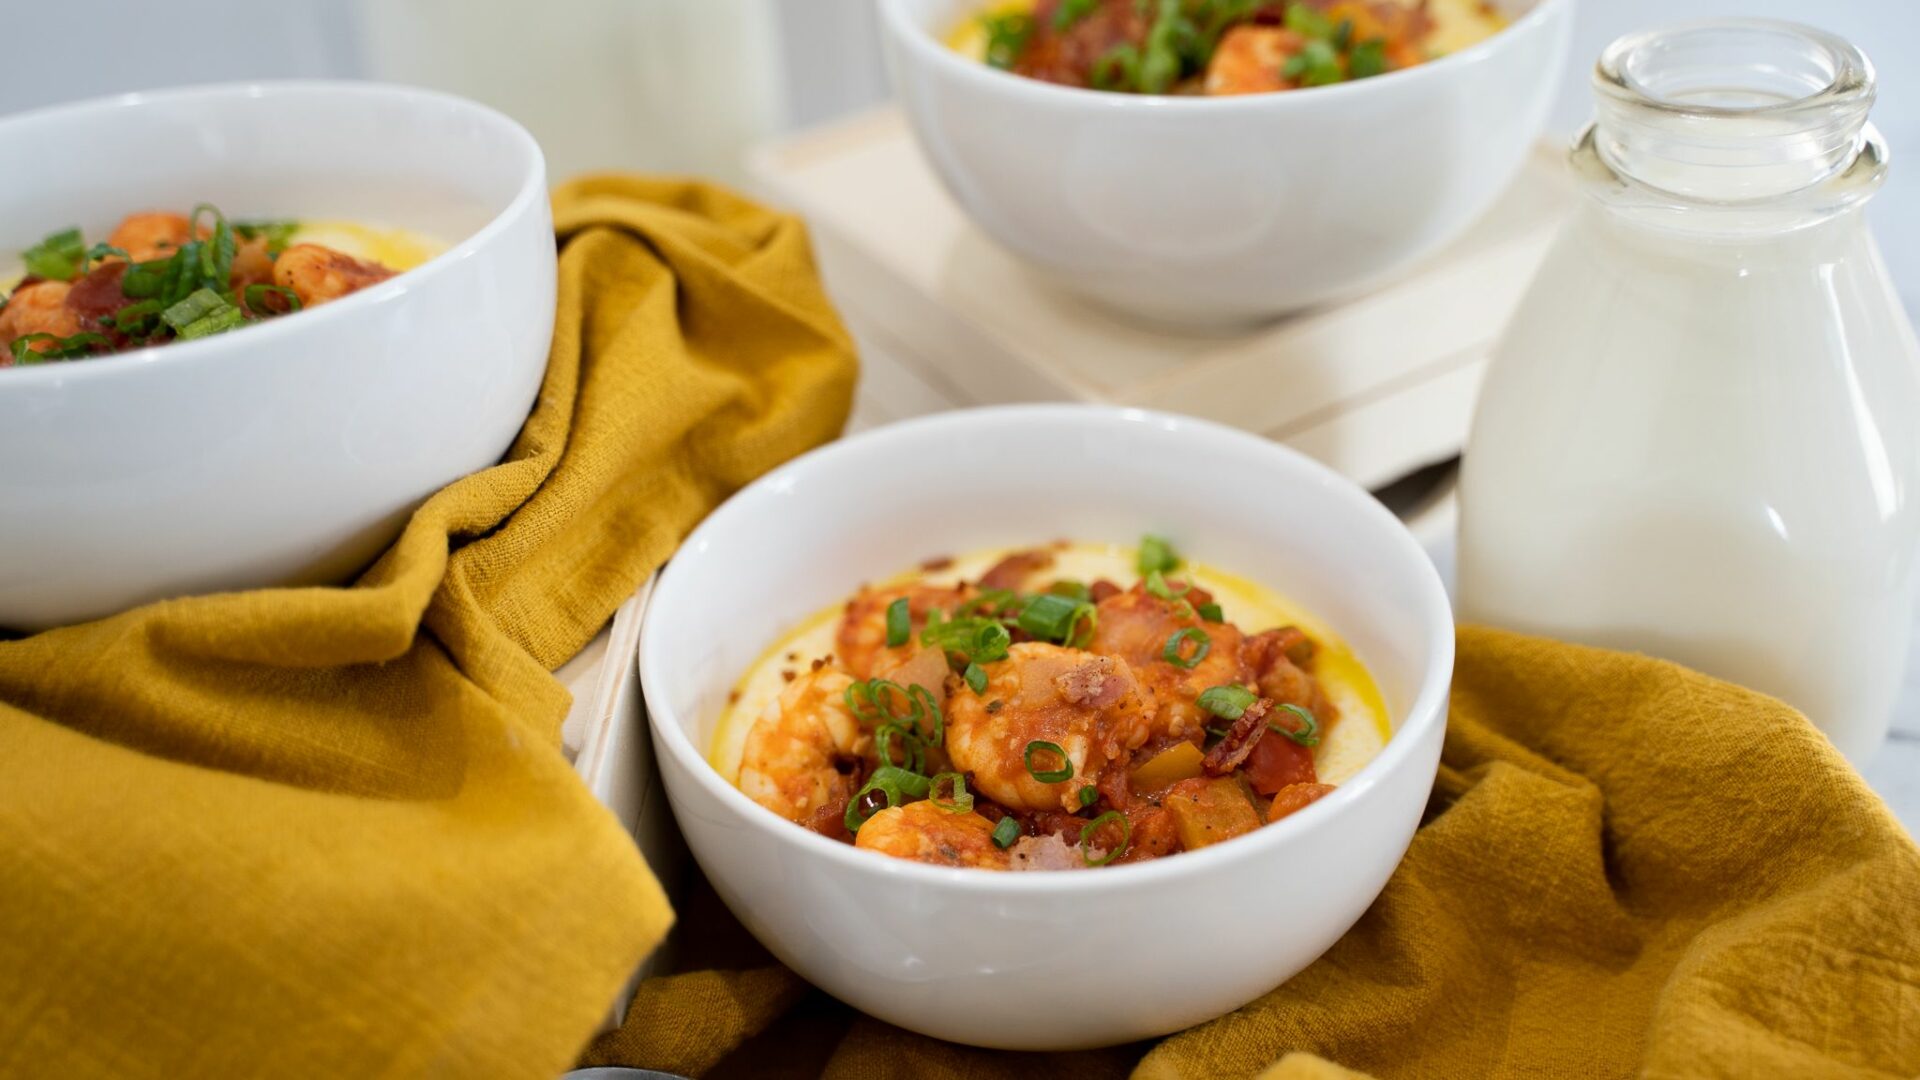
(801, 753)
(152, 235)
(252, 264)
(926, 833)
(317, 274)
(1137, 626)
(1093, 707)
(1248, 60)
(39, 308)
(861, 643)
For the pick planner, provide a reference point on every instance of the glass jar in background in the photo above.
(1700, 435)
(665, 85)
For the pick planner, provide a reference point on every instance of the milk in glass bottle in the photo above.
(1700, 436)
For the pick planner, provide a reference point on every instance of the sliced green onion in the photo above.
(1369, 58)
(1006, 38)
(990, 602)
(1316, 64)
(255, 296)
(1072, 11)
(1308, 22)
(103, 250)
(1088, 830)
(1005, 833)
(1309, 733)
(1057, 619)
(1116, 69)
(144, 280)
(1072, 590)
(1156, 556)
(899, 623)
(1160, 61)
(216, 255)
(1048, 776)
(976, 677)
(1081, 628)
(219, 322)
(925, 707)
(1157, 586)
(1172, 652)
(898, 785)
(1089, 795)
(872, 701)
(978, 639)
(134, 319)
(198, 305)
(1212, 613)
(859, 700)
(1226, 702)
(913, 752)
(957, 799)
(59, 257)
(72, 347)
(278, 233)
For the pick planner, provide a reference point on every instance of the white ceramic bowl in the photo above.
(1066, 959)
(290, 452)
(1216, 211)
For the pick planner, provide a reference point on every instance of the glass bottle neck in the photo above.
(1732, 125)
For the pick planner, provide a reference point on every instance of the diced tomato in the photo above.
(1294, 798)
(1277, 762)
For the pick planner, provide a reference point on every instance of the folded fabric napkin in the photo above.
(330, 831)
(1628, 869)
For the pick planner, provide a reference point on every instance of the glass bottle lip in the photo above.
(1622, 73)
(1735, 113)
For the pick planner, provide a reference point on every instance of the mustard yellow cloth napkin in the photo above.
(1629, 869)
(330, 831)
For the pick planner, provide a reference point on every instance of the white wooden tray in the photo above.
(1376, 387)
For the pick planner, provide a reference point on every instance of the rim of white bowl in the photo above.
(1428, 708)
(533, 185)
(927, 45)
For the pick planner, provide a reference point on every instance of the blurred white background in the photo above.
(685, 85)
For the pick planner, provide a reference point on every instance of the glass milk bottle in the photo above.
(1700, 436)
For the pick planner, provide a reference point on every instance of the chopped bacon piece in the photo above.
(1013, 571)
(97, 294)
(1228, 753)
(1067, 56)
(1092, 683)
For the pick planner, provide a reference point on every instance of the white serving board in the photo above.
(1375, 387)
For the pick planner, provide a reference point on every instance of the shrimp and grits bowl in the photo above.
(1215, 163)
(963, 710)
(248, 328)
(1021, 711)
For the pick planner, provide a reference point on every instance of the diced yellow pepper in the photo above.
(1167, 768)
(1209, 811)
